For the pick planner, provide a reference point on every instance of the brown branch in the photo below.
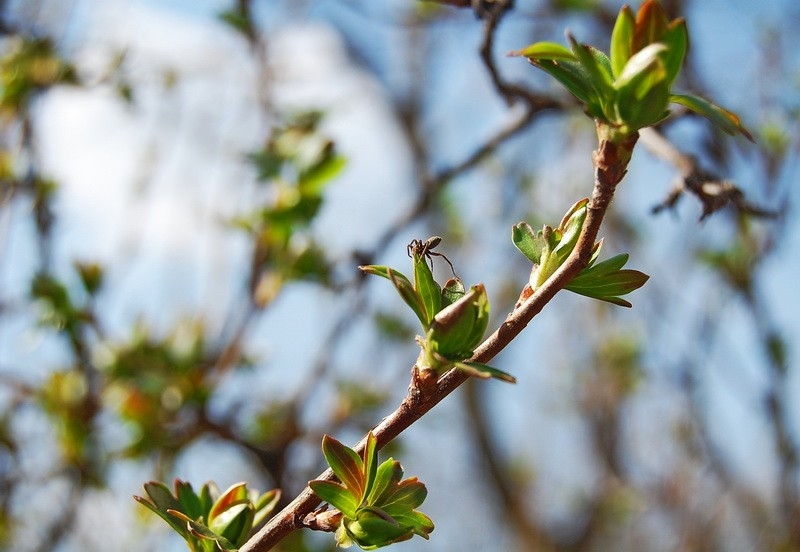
(609, 162)
(713, 192)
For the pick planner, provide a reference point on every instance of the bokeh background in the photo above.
(174, 304)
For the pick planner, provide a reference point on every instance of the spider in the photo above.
(426, 249)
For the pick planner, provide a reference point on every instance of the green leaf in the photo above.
(427, 289)
(410, 296)
(642, 70)
(545, 50)
(723, 118)
(314, 180)
(570, 230)
(677, 41)
(265, 505)
(189, 501)
(405, 496)
(235, 522)
(235, 494)
(374, 529)
(208, 494)
(201, 531)
(598, 67)
(404, 287)
(643, 89)
(389, 474)
(421, 523)
(161, 500)
(639, 113)
(370, 459)
(459, 327)
(452, 291)
(484, 371)
(622, 40)
(336, 495)
(161, 496)
(572, 76)
(528, 241)
(606, 282)
(236, 19)
(346, 464)
(651, 25)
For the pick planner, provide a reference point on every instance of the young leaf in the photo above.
(407, 495)
(545, 50)
(235, 494)
(484, 371)
(528, 241)
(374, 529)
(598, 67)
(452, 291)
(234, 523)
(677, 41)
(622, 40)
(410, 295)
(642, 70)
(723, 118)
(651, 24)
(202, 532)
(346, 464)
(161, 501)
(370, 459)
(189, 501)
(389, 474)
(572, 75)
(404, 287)
(422, 524)
(336, 495)
(427, 289)
(606, 282)
(265, 505)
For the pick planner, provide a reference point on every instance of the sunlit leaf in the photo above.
(427, 289)
(598, 67)
(370, 458)
(528, 241)
(677, 41)
(572, 76)
(265, 505)
(346, 464)
(723, 118)
(622, 40)
(651, 25)
(607, 282)
(545, 50)
(336, 495)
(484, 371)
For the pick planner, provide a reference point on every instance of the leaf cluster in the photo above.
(453, 318)
(296, 165)
(549, 248)
(210, 520)
(630, 88)
(377, 506)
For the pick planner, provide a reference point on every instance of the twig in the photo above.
(713, 192)
(609, 171)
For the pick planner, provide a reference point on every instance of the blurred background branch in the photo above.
(185, 194)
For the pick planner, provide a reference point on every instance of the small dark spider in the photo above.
(425, 249)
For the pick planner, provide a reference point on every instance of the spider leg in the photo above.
(443, 256)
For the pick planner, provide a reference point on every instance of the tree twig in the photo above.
(609, 171)
(713, 192)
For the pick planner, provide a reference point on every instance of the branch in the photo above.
(609, 171)
(713, 192)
